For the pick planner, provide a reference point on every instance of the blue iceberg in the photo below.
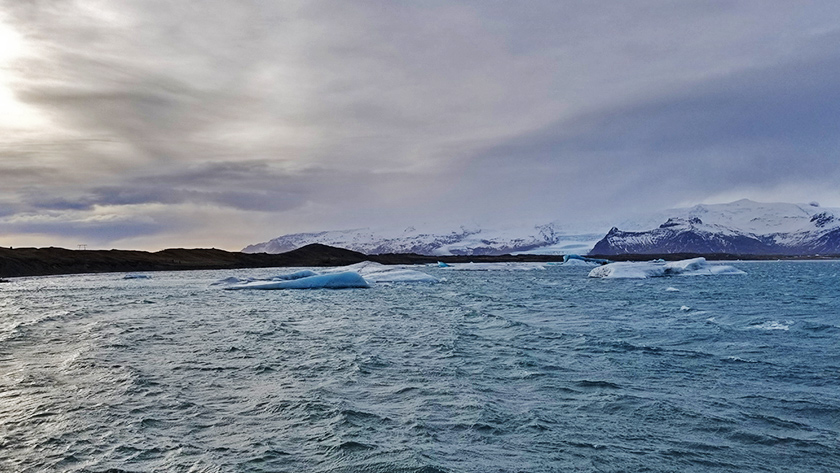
(344, 280)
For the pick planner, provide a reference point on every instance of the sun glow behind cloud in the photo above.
(15, 114)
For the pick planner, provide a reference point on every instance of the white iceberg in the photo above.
(342, 280)
(580, 263)
(381, 273)
(356, 275)
(282, 277)
(231, 280)
(653, 269)
(296, 275)
(495, 266)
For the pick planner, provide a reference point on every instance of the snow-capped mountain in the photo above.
(741, 227)
(544, 239)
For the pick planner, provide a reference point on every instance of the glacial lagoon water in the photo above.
(488, 371)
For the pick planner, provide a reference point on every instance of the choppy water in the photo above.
(486, 372)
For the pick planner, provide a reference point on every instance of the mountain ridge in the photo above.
(740, 227)
(464, 241)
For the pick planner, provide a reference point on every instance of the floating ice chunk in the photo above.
(137, 276)
(296, 275)
(342, 280)
(382, 273)
(672, 289)
(773, 325)
(400, 275)
(652, 269)
(368, 271)
(627, 270)
(573, 257)
(685, 308)
(231, 280)
(441, 264)
(496, 266)
(282, 277)
(580, 263)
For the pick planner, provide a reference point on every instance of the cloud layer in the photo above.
(152, 123)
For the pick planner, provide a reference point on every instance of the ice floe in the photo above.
(495, 266)
(342, 280)
(356, 275)
(653, 269)
(572, 257)
(296, 275)
(773, 325)
(580, 263)
(382, 273)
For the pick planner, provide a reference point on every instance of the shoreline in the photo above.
(24, 262)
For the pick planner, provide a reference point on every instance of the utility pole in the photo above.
(82, 247)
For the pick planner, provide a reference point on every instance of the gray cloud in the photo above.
(317, 115)
(90, 233)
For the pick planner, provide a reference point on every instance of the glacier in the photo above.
(552, 238)
(654, 269)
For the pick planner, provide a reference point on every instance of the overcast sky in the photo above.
(150, 124)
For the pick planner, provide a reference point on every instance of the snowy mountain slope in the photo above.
(741, 227)
(545, 239)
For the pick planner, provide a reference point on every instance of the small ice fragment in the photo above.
(773, 325)
(296, 275)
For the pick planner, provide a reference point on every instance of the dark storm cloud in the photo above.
(94, 233)
(765, 126)
(250, 186)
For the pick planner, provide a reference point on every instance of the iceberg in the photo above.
(495, 266)
(232, 280)
(296, 275)
(573, 257)
(282, 277)
(342, 280)
(653, 269)
(355, 275)
(381, 273)
(580, 262)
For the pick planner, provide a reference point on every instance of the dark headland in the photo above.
(50, 261)
(19, 262)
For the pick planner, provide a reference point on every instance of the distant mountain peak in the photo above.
(548, 238)
(741, 227)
